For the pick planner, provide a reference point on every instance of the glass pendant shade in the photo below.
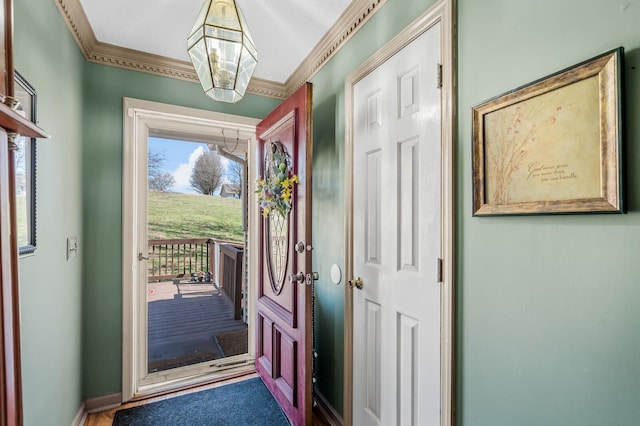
(222, 50)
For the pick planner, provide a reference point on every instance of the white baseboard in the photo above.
(102, 403)
(327, 410)
(81, 416)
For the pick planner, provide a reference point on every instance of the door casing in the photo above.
(444, 12)
(141, 120)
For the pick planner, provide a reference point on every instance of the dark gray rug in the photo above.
(246, 403)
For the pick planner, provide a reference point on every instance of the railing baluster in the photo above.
(201, 257)
(172, 259)
(196, 261)
(183, 253)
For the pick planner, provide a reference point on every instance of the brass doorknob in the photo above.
(356, 283)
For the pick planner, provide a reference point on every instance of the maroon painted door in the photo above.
(283, 323)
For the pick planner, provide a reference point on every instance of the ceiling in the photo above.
(294, 38)
(285, 31)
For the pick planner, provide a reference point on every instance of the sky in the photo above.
(180, 159)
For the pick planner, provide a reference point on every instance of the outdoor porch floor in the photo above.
(185, 322)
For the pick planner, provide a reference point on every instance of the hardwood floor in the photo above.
(105, 418)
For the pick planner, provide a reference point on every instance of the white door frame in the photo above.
(444, 12)
(142, 119)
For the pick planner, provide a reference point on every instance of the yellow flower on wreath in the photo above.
(275, 190)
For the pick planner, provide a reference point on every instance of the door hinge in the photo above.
(439, 277)
(439, 71)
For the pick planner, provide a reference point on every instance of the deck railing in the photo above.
(181, 258)
(231, 277)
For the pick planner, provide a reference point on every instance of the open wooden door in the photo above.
(285, 280)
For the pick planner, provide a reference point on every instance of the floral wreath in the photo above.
(275, 190)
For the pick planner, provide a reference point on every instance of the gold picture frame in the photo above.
(552, 146)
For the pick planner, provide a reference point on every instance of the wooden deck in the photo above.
(184, 320)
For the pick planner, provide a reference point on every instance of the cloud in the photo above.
(182, 173)
(224, 162)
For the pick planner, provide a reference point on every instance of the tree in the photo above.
(207, 173)
(163, 181)
(235, 173)
(158, 179)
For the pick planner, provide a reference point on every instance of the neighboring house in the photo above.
(228, 190)
(547, 307)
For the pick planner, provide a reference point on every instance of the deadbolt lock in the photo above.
(312, 277)
(300, 247)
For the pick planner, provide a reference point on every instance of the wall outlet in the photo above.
(72, 247)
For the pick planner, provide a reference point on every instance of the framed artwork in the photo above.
(25, 168)
(552, 146)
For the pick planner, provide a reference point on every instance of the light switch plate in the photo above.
(72, 247)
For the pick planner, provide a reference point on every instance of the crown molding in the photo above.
(357, 14)
(351, 20)
(78, 24)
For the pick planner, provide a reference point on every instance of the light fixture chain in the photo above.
(224, 140)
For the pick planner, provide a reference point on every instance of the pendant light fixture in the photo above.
(222, 50)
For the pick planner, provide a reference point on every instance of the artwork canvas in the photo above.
(552, 146)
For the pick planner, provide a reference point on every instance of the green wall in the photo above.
(50, 286)
(104, 88)
(548, 306)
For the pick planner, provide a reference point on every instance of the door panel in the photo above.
(283, 341)
(372, 359)
(372, 213)
(264, 336)
(408, 202)
(396, 246)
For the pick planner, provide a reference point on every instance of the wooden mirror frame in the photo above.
(26, 216)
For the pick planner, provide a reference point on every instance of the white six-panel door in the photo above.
(397, 238)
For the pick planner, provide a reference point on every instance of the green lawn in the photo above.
(194, 216)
